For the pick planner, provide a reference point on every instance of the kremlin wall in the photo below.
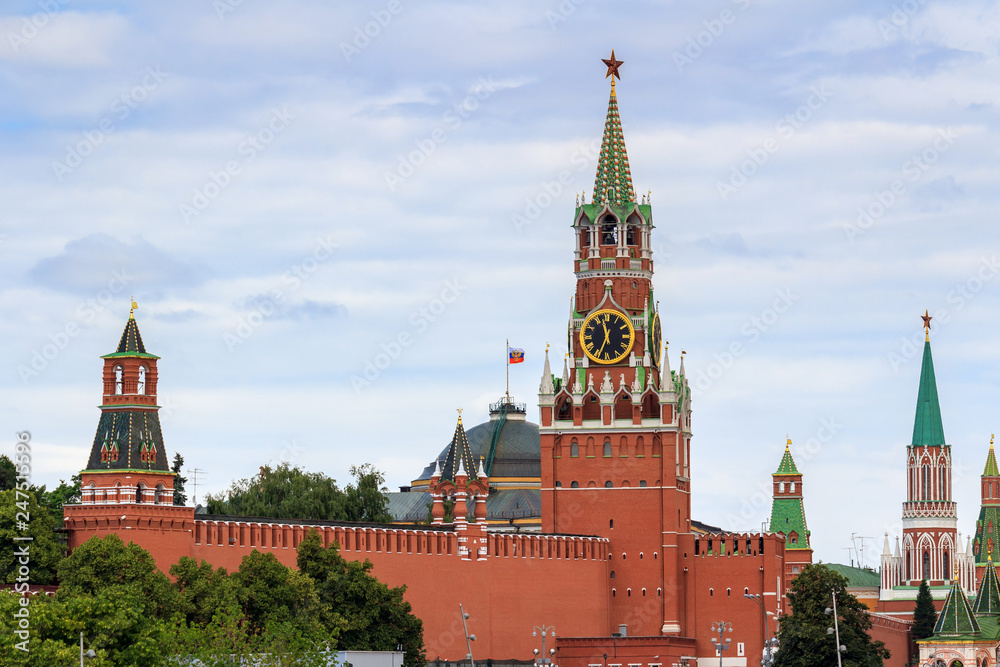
(582, 521)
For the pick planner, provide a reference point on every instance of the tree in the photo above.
(8, 473)
(366, 498)
(287, 492)
(180, 497)
(924, 615)
(367, 614)
(803, 637)
(270, 593)
(201, 591)
(45, 551)
(64, 494)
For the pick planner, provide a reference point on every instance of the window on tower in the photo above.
(607, 448)
(926, 482)
(140, 387)
(630, 235)
(574, 449)
(609, 231)
(947, 571)
(927, 565)
(118, 379)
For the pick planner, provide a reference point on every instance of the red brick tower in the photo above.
(615, 429)
(128, 463)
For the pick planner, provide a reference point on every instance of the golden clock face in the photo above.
(607, 336)
(656, 340)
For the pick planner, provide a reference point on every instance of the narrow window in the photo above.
(574, 449)
(947, 570)
(607, 448)
(781, 487)
(729, 592)
(140, 387)
(118, 379)
(793, 487)
(612, 574)
(927, 565)
(926, 482)
(711, 593)
(611, 523)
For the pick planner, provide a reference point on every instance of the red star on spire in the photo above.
(613, 66)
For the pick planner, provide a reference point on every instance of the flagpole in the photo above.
(507, 364)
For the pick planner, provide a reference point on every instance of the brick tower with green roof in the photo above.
(788, 515)
(930, 543)
(985, 547)
(128, 462)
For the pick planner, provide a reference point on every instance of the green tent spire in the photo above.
(787, 465)
(991, 463)
(613, 183)
(927, 428)
(988, 596)
(957, 617)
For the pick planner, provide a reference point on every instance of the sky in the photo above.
(333, 216)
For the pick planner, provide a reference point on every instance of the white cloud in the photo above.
(66, 39)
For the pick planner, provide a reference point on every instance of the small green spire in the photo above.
(613, 183)
(957, 617)
(787, 465)
(988, 596)
(927, 427)
(991, 463)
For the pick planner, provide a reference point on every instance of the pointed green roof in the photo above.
(459, 455)
(613, 183)
(787, 465)
(927, 428)
(130, 344)
(991, 469)
(988, 596)
(957, 617)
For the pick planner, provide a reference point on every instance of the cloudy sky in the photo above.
(292, 189)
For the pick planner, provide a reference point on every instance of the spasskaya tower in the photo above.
(615, 428)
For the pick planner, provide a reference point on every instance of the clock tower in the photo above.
(615, 428)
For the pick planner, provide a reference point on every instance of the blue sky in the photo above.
(292, 189)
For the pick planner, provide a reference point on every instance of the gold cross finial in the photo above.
(788, 442)
(132, 310)
(991, 441)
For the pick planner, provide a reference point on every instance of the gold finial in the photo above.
(459, 414)
(132, 310)
(927, 317)
(546, 348)
(788, 442)
(991, 441)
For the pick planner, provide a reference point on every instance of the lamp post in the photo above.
(545, 630)
(722, 644)
(836, 628)
(89, 654)
(468, 638)
(768, 658)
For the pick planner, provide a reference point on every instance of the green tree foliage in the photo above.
(924, 615)
(367, 614)
(287, 492)
(64, 494)
(803, 637)
(45, 550)
(8, 473)
(201, 591)
(180, 498)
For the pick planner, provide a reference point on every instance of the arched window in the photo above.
(729, 592)
(629, 592)
(609, 231)
(140, 387)
(160, 494)
(558, 485)
(608, 484)
(607, 448)
(574, 485)
(642, 482)
(781, 487)
(611, 523)
(793, 487)
(118, 379)
(926, 482)
(138, 492)
(711, 593)
(574, 449)
(927, 564)
(659, 591)
(947, 571)
(612, 574)
(795, 569)
(613, 592)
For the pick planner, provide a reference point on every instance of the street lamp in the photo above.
(836, 628)
(722, 643)
(89, 654)
(468, 638)
(768, 658)
(545, 630)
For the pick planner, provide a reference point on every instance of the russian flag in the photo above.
(515, 355)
